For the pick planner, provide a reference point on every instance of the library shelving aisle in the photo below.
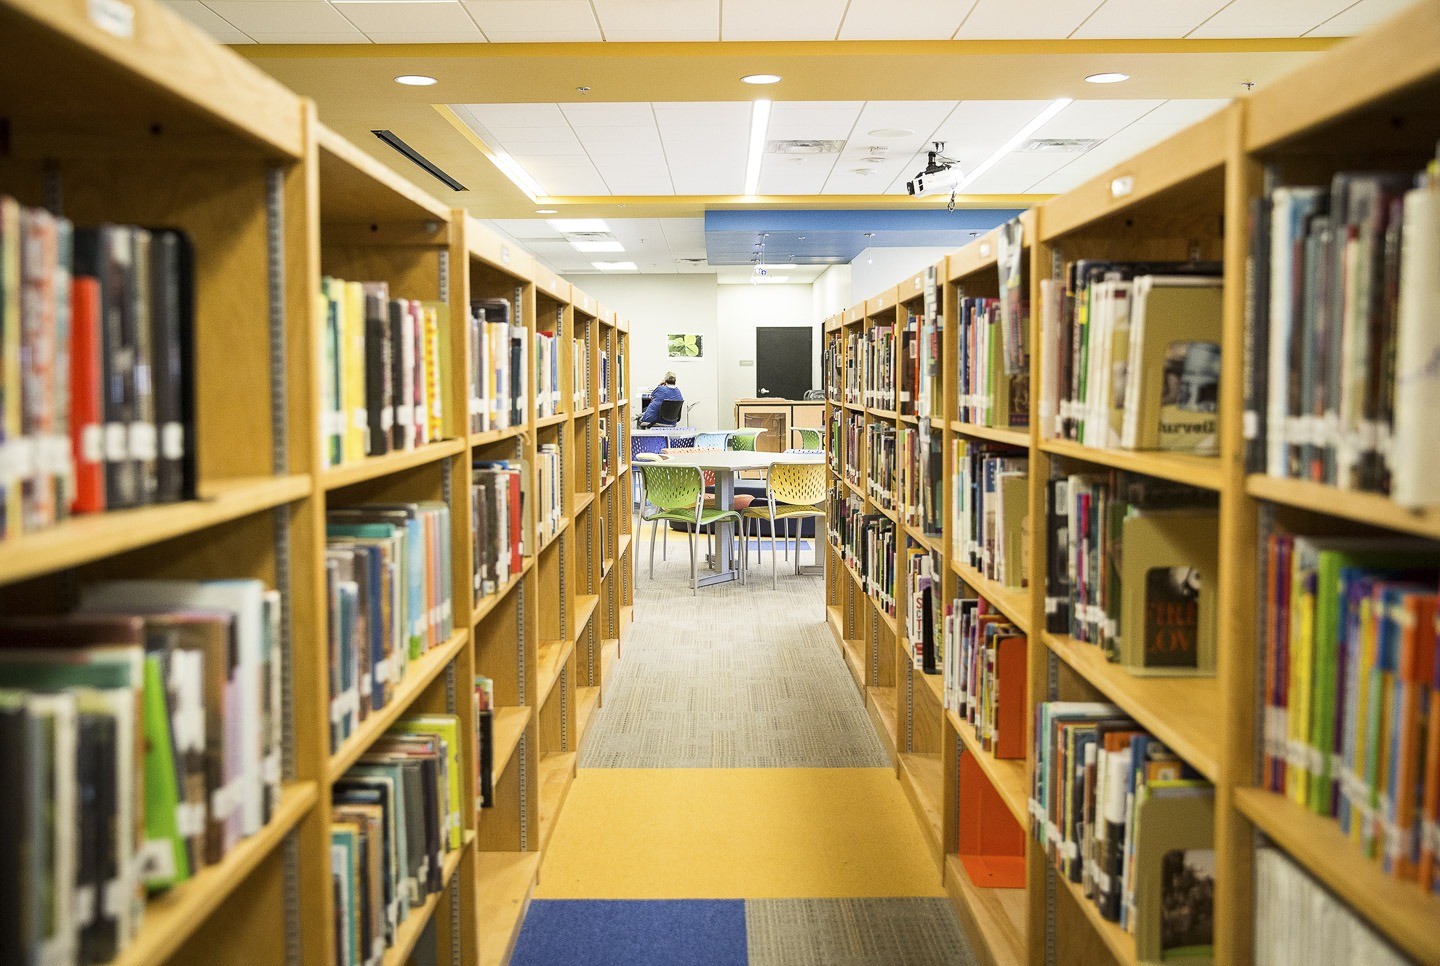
(279, 209)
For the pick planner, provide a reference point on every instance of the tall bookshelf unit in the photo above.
(273, 200)
(1368, 104)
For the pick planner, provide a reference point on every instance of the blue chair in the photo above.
(710, 440)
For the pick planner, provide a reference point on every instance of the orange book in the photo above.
(1415, 669)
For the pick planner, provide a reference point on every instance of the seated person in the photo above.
(662, 393)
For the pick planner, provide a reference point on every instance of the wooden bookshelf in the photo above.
(922, 777)
(557, 771)
(1010, 437)
(508, 727)
(505, 883)
(1199, 471)
(996, 916)
(1371, 509)
(408, 935)
(1013, 602)
(1010, 776)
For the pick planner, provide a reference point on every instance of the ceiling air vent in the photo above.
(804, 146)
(1059, 145)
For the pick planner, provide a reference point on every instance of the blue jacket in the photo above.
(661, 393)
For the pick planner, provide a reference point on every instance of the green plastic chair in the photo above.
(793, 491)
(677, 494)
(809, 438)
(743, 443)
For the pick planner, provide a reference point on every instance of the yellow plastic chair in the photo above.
(794, 491)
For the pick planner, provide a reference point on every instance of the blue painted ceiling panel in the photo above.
(836, 237)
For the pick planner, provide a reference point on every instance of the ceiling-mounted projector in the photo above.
(937, 175)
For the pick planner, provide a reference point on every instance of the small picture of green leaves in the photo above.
(683, 346)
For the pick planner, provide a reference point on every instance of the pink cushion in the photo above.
(743, 501)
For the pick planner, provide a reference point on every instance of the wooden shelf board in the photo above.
(911, 420)
(880, 702)
(409, 931)
(836, 622)
(885, 414)
(488, 603)
(504, 883)
(622, 545)
(854, 407)
(995, 919)
(1013, 602)
(1009, 775)
(1200, 471)
(374, 467)
(550, 662)
(852, 487)
(1010, 437)
(495, 435)
(95, 536)
(173, 916)
(1374, 509)
(586, 701)
(1401, 910)
(1183, 712)
(609, 654)
(922, 778)
(854, 660)
(557, 770)
(417, 678)
(1119, 942)
(585, 605)
(507, 727)
(589, 411)
(356, 189)
(542, 422)
(605, 481)
(885, 618)
(583, 498)
(886, 512)
(605, 565)
(555, 537)
(926, 540)
(935, 684)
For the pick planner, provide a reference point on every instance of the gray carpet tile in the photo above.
(855, 932)
(736, 677)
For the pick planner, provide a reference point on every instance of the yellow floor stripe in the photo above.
(742, 833)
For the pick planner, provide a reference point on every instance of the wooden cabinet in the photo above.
(777, 417)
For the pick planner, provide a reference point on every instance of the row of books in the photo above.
(1298, 922)
(1341, 335)
(484, 741)
(919, 474)
(835, 440)
(833, 367)
(140, 741)
(1133, 569)
(854, 446)
(1131, 355)
(549, 492)
(604, 430)
(97, 405)
(866, 543)
(881, 377)
(394, 815)
(854, 385)
(381, 375)
(1130, 823)
(984, 674)
(1352, 691)
(882, 463)
(988, 393)
(547, 374)
(920, 363)
(605, 377)
(580, 375)
(498, 379)
(924, 611)
(498, 505)
(990, 509)
(388, 588)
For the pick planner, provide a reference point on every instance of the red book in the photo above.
(515, 526)
(1011, 707)
(85, 416)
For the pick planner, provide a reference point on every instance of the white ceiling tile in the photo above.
(1360, 17)
(797, 175)
(498, 117)
(471, 35)
(1146, 18)
(683, 234)
(1016, 173)
(659, 20)
(1095, 119)
(1025, 19)
(639, 182)
(588, 114)
(791, 20)
(543, 149)
(1175, 114)
(1269, 18)
(903, 19)
(824, 120)
(282, 17)
(216, 26)
(301, 37)
(554, 20)
(410, 16)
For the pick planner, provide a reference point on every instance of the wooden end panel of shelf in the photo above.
(557, 770)
(1374, 509)
(507, 728)
(1009, 775)
(1194, 151)
(95, 536)
(1013, 602)
(880, 702)
(921, 777)
(1183, 712)
(505, 882)
(418, 677)
(586, 701)
(172, 917)
(409, 931)
(1402, 910)
(1198, 471)
(993, 918)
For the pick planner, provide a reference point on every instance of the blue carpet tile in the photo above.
(633, 932)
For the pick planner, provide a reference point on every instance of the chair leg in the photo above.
(774, 554)
(654, 529)
(694, 572)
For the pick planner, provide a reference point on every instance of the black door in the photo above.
(782, 362)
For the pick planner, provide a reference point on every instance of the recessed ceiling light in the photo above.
(615, 266)
(871, 160)
(761, 78)
(865, 172)
(759, 123)
(890, 132)
(597, 246)
(416, 80)
(547, 211)
(1109, 77)
(576, 225)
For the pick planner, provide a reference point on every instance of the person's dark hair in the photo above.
(670, 380)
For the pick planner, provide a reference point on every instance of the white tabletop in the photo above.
(735, 460)
(666, 431)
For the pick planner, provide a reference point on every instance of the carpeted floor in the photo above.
(733, 805)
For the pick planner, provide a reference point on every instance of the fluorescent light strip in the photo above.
(512, 170)
(1018, 138)
(759, 124)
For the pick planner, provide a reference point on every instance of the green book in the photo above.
(164, 861)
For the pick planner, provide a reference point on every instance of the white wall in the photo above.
(657, 305)
(876, 270)
(743, 309)
(830, 293)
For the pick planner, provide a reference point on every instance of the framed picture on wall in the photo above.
(679, 346)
